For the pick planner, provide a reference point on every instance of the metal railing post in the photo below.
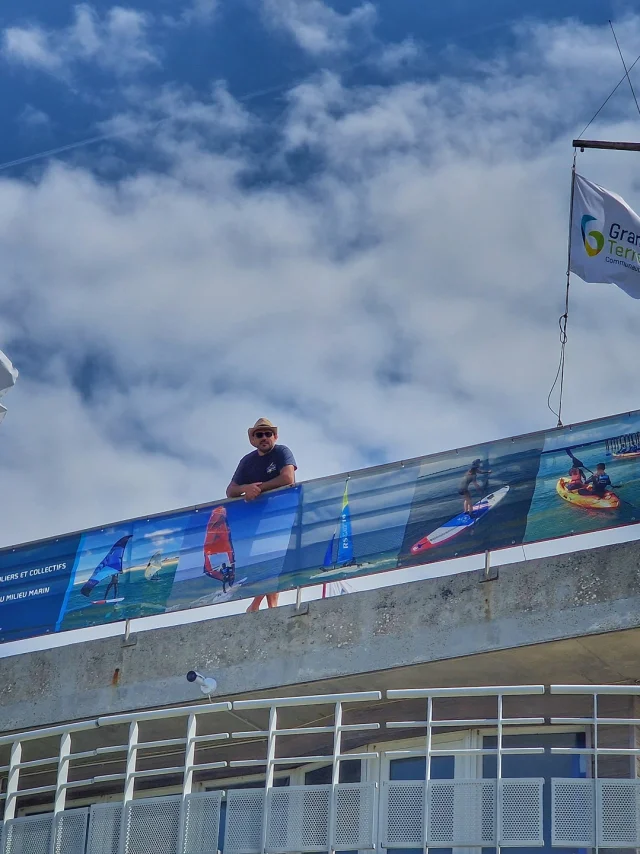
(499, 774)
(335, 771)
(270, 767)
(129, 782)
(13, 780)
(427, 775)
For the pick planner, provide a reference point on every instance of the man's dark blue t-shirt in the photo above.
(257, 468)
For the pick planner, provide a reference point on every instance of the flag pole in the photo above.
(564, 318)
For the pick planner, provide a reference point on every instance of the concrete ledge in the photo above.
(533, 602)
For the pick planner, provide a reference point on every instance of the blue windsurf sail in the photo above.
(345, 539)
(108, 566)
(328, 555)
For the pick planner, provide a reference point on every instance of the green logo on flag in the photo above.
(596, 235)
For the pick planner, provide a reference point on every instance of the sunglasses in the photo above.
(267, 434)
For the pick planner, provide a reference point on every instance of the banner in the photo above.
(605, 238)
(514, 491)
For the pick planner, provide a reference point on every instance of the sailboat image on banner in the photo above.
(109, 567)
(219, 556)
(344, 561)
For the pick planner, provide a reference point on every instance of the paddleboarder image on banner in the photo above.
(471, 479)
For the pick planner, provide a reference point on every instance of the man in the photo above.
(600, 482)
(112, 583)
(269, 467)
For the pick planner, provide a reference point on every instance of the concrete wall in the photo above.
(531, 603)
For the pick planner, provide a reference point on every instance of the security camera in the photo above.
(207, 684)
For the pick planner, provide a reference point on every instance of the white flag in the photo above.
(605, 238)
(8, 377)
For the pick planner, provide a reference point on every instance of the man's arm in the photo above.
(234, 491)
(237, 484)
(287, 477)
(250, 491)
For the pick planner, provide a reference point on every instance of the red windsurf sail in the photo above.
(219, 557)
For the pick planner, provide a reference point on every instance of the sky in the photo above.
(347, 217)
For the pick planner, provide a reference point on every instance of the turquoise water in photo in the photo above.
(551, 516)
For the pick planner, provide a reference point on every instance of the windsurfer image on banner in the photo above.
(109, 567)
(219, 557)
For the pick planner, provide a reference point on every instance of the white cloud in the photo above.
(397, 55)
(33, 118)
(116, 42)
(195, 12)
(316, 27)
(30, 46)
(400, 299)
(200, 12)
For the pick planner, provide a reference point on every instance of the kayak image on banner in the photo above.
(234, 550)
(589, 479)
(472, 500)
(123, 572)
(350, 525)
(33, 584)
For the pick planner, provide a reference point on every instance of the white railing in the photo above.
(175, 788)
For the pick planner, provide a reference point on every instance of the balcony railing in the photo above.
(183, 781)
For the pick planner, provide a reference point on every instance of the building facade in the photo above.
(453, 714)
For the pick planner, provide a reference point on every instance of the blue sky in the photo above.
(192, 44)
(347, 217)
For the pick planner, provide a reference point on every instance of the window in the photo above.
(415, 768)
(350, 772)
(546, 765)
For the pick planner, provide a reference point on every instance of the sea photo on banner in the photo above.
(123, 572)
(350, 525)
(234, 549)
(495, 481)
(560, 508)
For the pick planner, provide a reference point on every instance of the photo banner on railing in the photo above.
(526, 489)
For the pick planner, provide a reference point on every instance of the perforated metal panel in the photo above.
(151, 825)
(618, 804)
(29, 835)
(352, 825)
(573, 816)
(521, 823)
(461, 812)
(243, 825)
(298, 819)
(104, 828)
(402, 822)
(70, 832)
(201, 823)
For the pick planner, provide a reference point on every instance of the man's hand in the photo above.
(251, 491)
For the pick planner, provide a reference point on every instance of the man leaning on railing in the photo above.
(269, 467)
